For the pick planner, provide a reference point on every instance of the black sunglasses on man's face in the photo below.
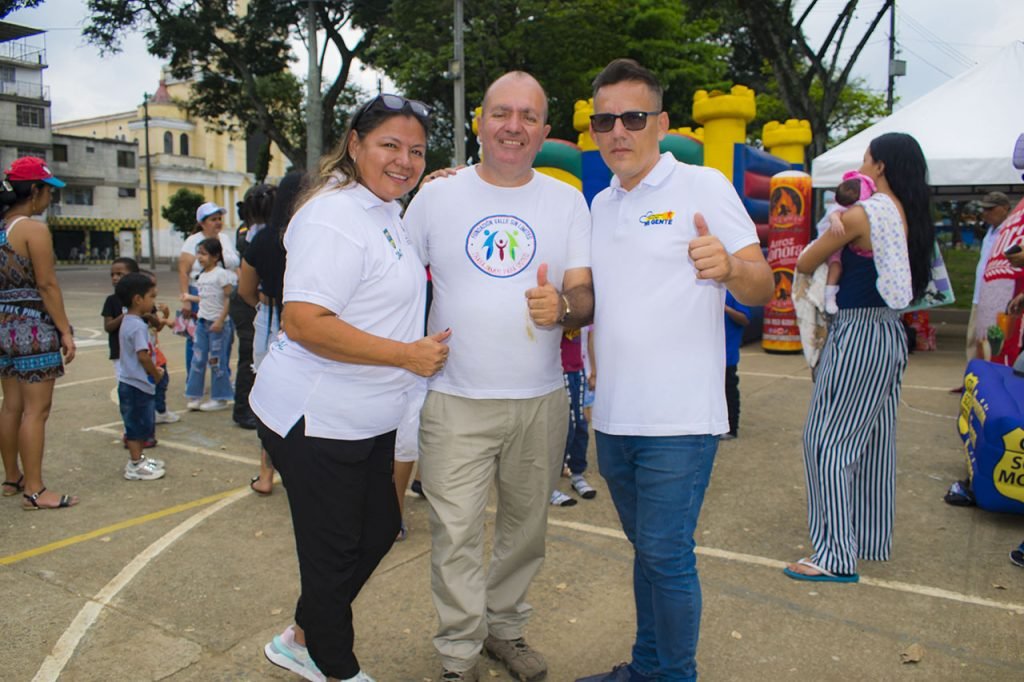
(631, 120)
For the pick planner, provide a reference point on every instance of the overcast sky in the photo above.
(939, 40)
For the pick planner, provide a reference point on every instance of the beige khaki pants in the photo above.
(465, 444)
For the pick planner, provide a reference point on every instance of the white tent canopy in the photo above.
(967, 128)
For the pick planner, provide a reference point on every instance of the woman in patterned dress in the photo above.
(34, 331)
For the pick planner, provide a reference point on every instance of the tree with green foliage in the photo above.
(563, 43)
(770, 53)
(9, 6)
(239, 60)
(180, 210)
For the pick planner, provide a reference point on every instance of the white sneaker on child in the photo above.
(143, 470)
(158, 463)
(582, 488)
(214, 405)
(193, 404)
(560, 499)
(167, 417)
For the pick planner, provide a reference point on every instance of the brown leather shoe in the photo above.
(525, 664)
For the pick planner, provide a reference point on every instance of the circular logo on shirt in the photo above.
(501, 245)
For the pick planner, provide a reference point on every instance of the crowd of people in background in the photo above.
(349, 373)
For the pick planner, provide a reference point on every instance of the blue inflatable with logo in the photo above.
(991, 425)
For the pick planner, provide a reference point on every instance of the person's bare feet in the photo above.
(261, 485)
(804, 567)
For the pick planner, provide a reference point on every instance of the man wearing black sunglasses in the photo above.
(509, 254)
(668, 240)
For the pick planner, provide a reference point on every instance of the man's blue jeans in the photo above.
(213, 348)
(657, 484)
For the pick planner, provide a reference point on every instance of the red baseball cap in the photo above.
(32, 168)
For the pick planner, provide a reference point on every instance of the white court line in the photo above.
(69, 384)
(114, 429)
(89, 343)
(794, 377)
(922, 590)
(93, 333)
(65, 647)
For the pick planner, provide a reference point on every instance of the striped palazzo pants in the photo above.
(850, 438)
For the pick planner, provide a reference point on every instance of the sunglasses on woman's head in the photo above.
(392, 103)
(631, 120)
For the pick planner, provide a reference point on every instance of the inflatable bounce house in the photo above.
(772, 185)
(991, 422)
(992, 431)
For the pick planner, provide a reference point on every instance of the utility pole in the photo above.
(149, 184)
(897, 67)
(314, 113)
(456, 69)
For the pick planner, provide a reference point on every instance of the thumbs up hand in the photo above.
(543, 301)
(708, 254)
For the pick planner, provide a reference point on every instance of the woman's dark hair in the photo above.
(285, 201)
(367, 118)
(258, 204)
(131, 285)
(906, 171)
(130, 263)
(13, 192)
(213, 247)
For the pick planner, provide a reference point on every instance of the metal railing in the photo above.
(25, 89)
(21, 52)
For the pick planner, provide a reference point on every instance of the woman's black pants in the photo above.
(345, 516)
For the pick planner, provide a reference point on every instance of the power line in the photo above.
(936, 40)
(904, 47)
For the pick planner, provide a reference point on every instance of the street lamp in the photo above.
(149, 184)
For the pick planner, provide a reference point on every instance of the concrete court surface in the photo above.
(186, 578)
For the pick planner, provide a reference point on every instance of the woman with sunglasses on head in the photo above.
(34, 331)
(330, 393)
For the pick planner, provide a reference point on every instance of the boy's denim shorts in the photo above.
(138, 411)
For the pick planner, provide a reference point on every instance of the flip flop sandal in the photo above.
(65, 502)
(252, 484)
(823, 575)
(959, 495)
(12, 488)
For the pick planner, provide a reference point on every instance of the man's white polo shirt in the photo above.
(659, 332)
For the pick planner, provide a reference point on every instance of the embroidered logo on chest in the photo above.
(501, 245)
(652, 219)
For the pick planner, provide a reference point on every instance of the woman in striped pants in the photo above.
(850, 435)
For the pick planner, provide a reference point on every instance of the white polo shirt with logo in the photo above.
(349, 253)
(659, 332)
(484, 244)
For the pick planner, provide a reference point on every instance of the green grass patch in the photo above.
(961, 265)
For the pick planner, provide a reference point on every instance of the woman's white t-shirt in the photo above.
(348, 252)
